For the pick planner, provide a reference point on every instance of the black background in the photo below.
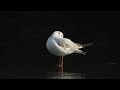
(24, 35)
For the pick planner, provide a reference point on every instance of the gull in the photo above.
(60, 46)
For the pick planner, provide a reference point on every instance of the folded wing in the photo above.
(67, 43)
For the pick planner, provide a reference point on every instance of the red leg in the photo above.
(60, 64)
(62, 60)
(59, 61)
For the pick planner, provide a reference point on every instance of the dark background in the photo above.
(24, 35)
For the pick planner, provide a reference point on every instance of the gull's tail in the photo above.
(83, 45)
(86, 45)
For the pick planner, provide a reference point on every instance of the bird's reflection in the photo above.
(65, 75)
(60, 74)
(60, 70)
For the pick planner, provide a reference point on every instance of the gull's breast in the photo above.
(54, 48)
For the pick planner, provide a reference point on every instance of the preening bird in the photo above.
(60, 46)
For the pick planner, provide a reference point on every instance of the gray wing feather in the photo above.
(66, 43)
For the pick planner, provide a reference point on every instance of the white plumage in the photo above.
(60, 46)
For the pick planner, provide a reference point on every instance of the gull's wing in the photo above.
(66, 43)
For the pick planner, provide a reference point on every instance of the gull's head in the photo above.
(57, 34)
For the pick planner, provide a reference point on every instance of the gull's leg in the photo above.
(61, 60)
(60, 64)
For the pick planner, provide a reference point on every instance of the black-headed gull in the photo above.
(60, 46)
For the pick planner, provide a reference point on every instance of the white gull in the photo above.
(60, 46)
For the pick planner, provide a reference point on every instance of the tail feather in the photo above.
(86, 45)
(80, 52)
